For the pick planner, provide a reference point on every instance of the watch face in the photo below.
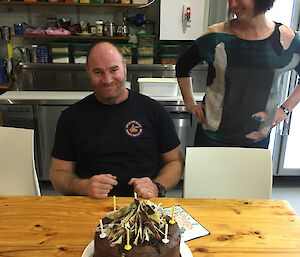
(286, 111)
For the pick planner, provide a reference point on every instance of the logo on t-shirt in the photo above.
(133, 128)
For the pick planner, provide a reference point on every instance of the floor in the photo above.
(284, 188)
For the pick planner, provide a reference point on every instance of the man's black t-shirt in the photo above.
(125, 140)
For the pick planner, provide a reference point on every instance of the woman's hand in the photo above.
(198, 110)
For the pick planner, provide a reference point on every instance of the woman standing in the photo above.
(247, 56)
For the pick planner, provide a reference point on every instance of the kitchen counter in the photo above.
(67, 97)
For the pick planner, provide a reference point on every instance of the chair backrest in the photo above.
(227, 172)
(17, 167)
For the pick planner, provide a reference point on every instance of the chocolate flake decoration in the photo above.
(145, 221)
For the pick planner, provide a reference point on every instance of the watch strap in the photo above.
(161, 189)
(286, 110)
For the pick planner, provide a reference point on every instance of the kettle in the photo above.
(109, 29)
(123, 30)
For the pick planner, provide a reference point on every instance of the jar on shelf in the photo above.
(99, 27)
(42, 54)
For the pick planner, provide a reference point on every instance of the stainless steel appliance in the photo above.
(184, 122)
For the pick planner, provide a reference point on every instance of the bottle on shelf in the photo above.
(99, 27)
(34, 54)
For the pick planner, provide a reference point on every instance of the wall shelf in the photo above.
(50, 37)
(69, 4)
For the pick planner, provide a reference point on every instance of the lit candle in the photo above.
(172, 221)
(166, 240)
(102, 234)
(115, 203)
(127, 246)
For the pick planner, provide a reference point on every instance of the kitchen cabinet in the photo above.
(173, 23)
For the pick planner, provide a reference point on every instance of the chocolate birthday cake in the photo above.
(141, 225)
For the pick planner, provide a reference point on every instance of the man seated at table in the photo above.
(115, 141)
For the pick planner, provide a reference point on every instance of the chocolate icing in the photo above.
(172, 249)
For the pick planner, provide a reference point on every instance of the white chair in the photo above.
(227, 172)
(17, 167)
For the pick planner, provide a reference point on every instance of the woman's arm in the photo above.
(183, 73)
(289, 103)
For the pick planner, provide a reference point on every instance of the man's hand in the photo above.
(144, 187)
(99, 186)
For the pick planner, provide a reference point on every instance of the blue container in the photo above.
(19, 29)
(2, 76)
(42, 54)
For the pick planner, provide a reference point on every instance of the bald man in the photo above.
(115, 141)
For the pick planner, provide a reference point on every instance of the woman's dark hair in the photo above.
(261, 6)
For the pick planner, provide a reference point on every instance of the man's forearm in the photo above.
(68, 183)
(170, 174)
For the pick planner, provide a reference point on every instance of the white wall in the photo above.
(281, 12)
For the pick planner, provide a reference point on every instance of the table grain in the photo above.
(50, 226)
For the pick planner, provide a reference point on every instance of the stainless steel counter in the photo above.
(73, 77)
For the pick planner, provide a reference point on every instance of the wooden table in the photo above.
(51, 226)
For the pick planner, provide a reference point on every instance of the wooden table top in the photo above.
(62, 226)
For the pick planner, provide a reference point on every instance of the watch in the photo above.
(286, 110)
(161, 189)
